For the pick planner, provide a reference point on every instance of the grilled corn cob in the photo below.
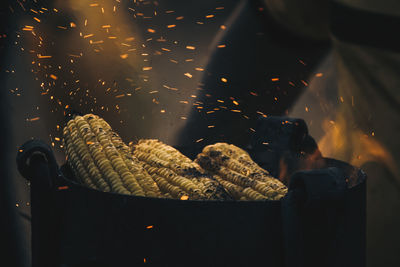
(175, 173)
(101, 160)
(239, 174)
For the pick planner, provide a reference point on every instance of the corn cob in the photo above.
(166, 156)
(101, 160)
(239, 174)
(175, 173)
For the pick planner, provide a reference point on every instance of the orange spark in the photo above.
(34, 119)
(40, 56)
(63, 187)
(304, 82)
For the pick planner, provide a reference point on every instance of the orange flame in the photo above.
(352, 145)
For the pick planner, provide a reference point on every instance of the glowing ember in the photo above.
(88, 35)
(40, 56)
(34, 119)
(65, 187)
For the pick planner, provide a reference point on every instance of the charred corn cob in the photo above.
(101, 160)
(175, 173)
(162, 155)
(239, 174)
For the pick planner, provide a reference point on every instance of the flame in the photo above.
(308, 162)
(353, 145)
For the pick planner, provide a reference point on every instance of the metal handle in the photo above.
(33, 158)
(36, 163)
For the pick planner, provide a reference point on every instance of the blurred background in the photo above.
(192, 73)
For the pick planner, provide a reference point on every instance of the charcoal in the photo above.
(282, 146)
